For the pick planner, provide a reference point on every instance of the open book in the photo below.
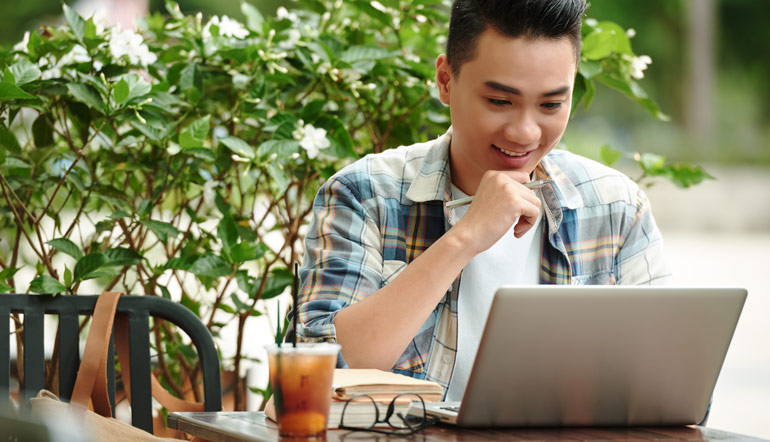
(382, 386)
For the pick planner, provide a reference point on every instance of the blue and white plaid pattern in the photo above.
(375, 216)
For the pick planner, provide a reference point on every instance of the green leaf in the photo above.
(203, 153)
(120, 92)
(194, 134)
(609, 155)
(686, 175)
(64, 245)
(276, 283)
(24, 72)
(121, 256)
(652, 163)
(173, 10)
(42, 131)
(164, 291)
(254, 18)
(46, 284)
(89, 31)
(238, 146)
(8, 273)
(279, 177)
(67, 276)
(281, 148)
(161, 229)
(8, 140)
(589, 68)
(240, 305)
(87, 95)
(312, 111)
(137, 87)
(180, 263)
(10, 91)
(211, 266)
(245, 251)
(358, 53)
(227, 231)
(88, 265)
(367, 8)
(76, 22)
(607, 38)
(191, 304)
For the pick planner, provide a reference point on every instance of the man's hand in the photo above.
(500, 200)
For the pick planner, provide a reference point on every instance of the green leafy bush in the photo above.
(183, 158)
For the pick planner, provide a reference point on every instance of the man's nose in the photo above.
(523, 129)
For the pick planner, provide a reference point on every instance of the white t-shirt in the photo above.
(510, 261)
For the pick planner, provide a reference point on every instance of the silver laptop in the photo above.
(597, 356)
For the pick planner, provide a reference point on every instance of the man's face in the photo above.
(509, 105)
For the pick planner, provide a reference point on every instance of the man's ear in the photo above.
(443, 78)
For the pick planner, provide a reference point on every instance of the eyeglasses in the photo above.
(364, 415)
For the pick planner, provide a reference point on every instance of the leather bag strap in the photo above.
(91, 383)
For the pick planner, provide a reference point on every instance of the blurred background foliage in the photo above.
(733, 131)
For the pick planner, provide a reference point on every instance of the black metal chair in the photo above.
(139, 309)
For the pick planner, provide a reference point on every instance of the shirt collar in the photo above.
(432, 182)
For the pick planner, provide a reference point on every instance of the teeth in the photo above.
(511, 154)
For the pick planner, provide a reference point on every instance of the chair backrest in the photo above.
(139, 309)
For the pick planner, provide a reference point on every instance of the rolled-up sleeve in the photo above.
(641, 259)
(343, 259)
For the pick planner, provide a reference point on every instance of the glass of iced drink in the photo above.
(301, 377)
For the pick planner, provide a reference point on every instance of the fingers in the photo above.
(525, 223)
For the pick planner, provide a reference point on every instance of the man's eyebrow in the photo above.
(511, 90)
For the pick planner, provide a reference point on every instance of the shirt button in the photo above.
(446, 359)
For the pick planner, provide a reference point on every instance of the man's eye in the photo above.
(499, 102)
(551, 106)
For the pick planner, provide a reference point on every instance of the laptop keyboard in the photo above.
(454, 409)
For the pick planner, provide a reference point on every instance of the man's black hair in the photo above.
(552, 19)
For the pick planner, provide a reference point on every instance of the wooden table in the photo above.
(242, 426)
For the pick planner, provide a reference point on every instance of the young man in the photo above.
(404, 284)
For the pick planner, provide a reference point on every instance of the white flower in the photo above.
(631, 32)
(283, 14)
(294, 36)
(173, 148)
(227, 27)
(638, 66)
(591, 22)
(299, 131)
(77, 54)
(208, 192)
(219, 132)
(349, 75)
(129, 44)
(378, 6)
(313, 139)
(22, 45)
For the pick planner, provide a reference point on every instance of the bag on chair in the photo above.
(90, 390)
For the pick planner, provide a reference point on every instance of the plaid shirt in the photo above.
(377, 215)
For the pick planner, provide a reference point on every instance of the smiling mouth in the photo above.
(510, 153)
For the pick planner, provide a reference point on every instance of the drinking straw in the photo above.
(278, 324)
(294, 290)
